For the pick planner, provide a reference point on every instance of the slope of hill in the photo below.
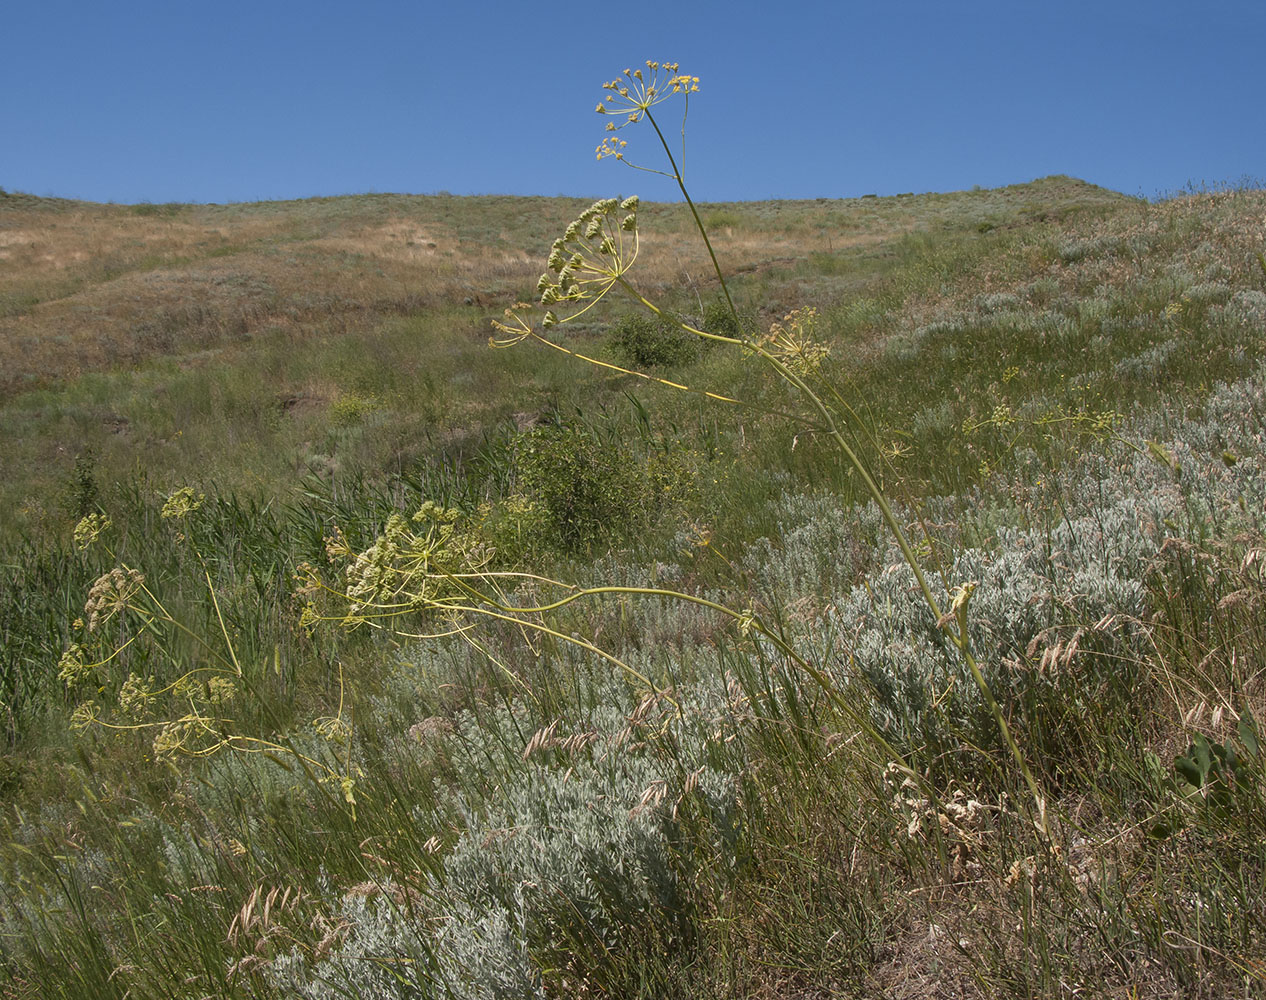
(124, 326)
(341, 655)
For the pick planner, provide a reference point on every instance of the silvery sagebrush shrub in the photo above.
(998, 302)
(1058, 611)
(1077, 248)
(1148, 363)
(1208, 293)
(819, 545)
(1084, 574)
(570, 854)
(1247, 309)
(1081, 574)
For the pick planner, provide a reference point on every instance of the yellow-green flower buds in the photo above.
(182, 503)
(135, 696)
(84, 715)
(89, 529)
(71, 667)
(637, 92)
(111, 593)
(335, 730)
(220, 690)
(629, 223)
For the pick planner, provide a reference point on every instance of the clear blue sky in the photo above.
(140, 100)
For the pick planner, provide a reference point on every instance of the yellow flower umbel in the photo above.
(632, 96)
(593, 254)
(89, 529)
(791, 342)
(181, 503)
(635, 92)
(111, 593)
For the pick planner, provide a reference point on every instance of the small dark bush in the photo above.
(164, 210)
(654, 342)
(586, 491)
(580, 490)
(83, 493)
(717, 318)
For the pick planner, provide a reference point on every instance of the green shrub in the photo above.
(654, 342)
(718, 318)
(578, 490)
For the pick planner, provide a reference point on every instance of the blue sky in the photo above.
(239, 101)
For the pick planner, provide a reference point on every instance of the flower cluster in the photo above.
(791, 342)
(595, 251)
(182, 503)
(333, 729)
(635, 92)
(85, 714)
(201, 730)
(187, 735)
(111, 593)
(72, 668)
(89, 529)
(408, 569)
(136, 696)
(220, 690)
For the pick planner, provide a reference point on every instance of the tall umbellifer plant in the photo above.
(595, 255)
(433, 577)
(192, 682)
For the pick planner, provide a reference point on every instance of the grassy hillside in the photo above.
(303, 742)
(226, 341)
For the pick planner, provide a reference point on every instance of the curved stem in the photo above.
(745, 619)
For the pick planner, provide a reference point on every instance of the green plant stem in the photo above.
(681, 184)
(959, 637)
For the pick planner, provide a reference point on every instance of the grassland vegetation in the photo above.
(341, 656)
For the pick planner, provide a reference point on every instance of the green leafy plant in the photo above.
(84, 492)
(1218, 774)
(582, 490)
(653, 342)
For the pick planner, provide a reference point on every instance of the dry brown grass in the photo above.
(99, 287)
(88, 287)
